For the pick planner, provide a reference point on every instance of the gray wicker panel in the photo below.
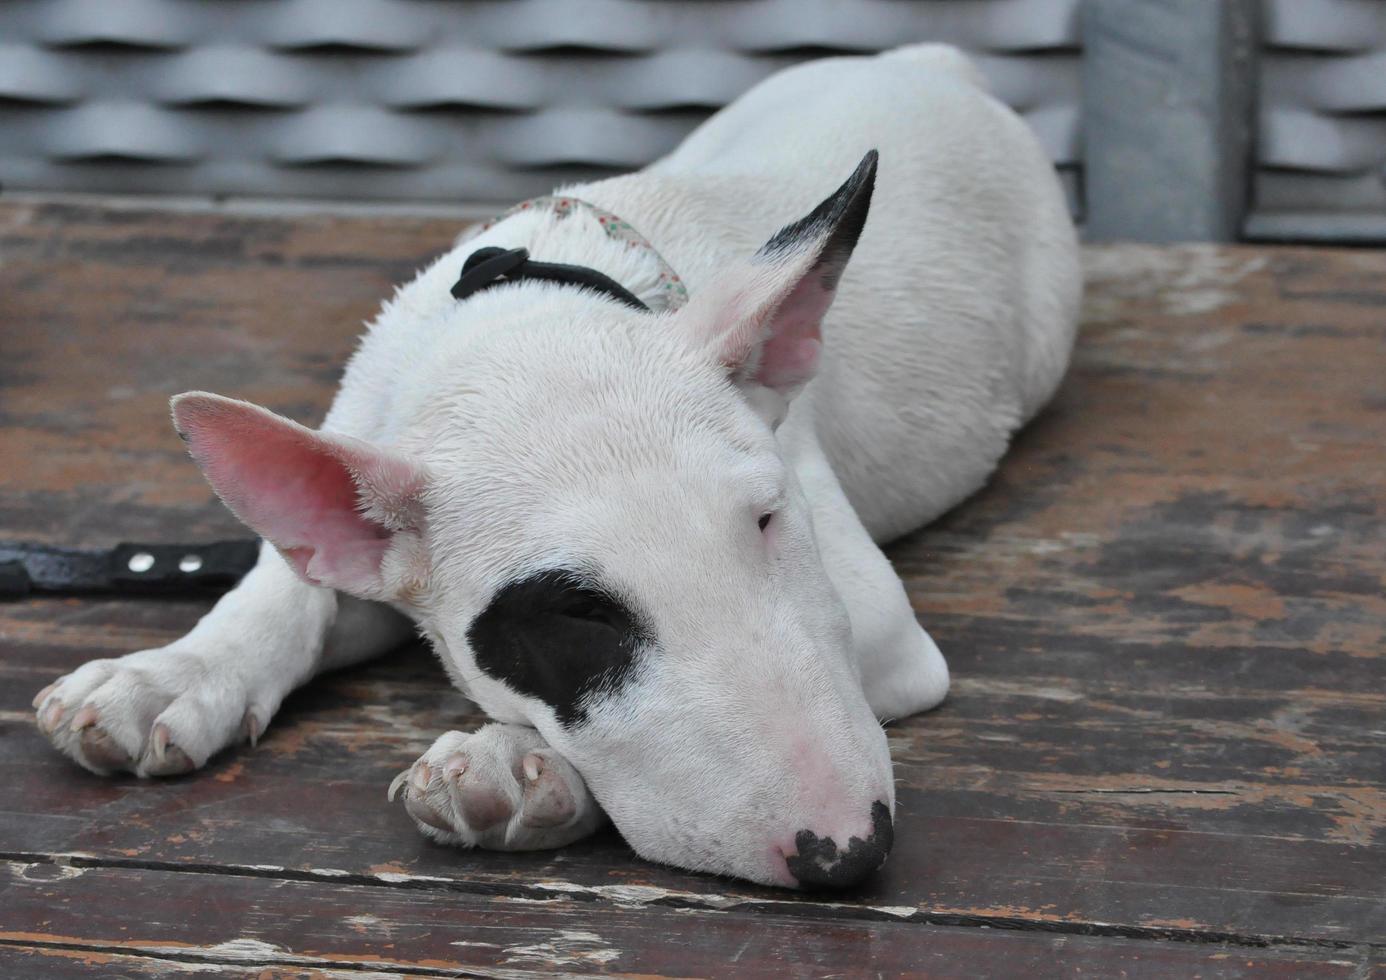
(1321, 148)
(457, 100)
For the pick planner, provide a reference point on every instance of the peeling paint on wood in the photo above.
(244, 921)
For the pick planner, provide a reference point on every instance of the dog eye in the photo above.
(765, 521)
(590, 609)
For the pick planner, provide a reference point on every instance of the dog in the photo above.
(619, 463)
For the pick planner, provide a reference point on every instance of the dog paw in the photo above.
(159, 712)
(501, 788)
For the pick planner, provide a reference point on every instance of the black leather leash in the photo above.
(126, 569)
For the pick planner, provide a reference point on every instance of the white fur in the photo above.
(560, 429)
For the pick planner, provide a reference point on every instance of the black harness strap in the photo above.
(492, 266)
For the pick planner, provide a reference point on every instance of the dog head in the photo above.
(594, 520)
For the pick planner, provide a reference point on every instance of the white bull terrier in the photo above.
(641, 533)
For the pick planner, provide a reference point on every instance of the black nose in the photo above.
(820, 863)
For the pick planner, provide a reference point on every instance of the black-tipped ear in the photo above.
(832, 228)
(764, 317)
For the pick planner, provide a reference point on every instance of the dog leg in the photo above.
(500, 788)
(166, 711)
(902, 671)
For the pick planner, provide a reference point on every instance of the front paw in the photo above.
(501, 788)
(159, 712)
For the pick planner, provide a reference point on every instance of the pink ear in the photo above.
(766, 317)
(771, 334)
(331, 504)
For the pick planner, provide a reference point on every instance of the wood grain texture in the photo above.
(33, 962)
(260, 921)
(1165, 616)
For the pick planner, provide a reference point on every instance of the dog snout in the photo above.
(831, 858)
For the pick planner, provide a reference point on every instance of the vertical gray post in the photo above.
(1168, 115)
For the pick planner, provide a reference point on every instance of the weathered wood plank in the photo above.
(47, 962)
(109, 313)
(260, 921)
(997, 840)
(1165, 616)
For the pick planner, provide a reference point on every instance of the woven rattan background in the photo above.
(451, 100)
(1321, 142)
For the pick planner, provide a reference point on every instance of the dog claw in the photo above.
(161, 740)
(251, 728)
(84, 718)
(42, 696)
(395, 785)
(101, 750)
(50, 716)
(548, 800)
(169, 759)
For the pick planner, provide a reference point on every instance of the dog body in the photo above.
(646, 543)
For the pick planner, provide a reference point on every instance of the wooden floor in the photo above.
(1164, 754)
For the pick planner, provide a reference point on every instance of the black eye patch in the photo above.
(556, 638)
